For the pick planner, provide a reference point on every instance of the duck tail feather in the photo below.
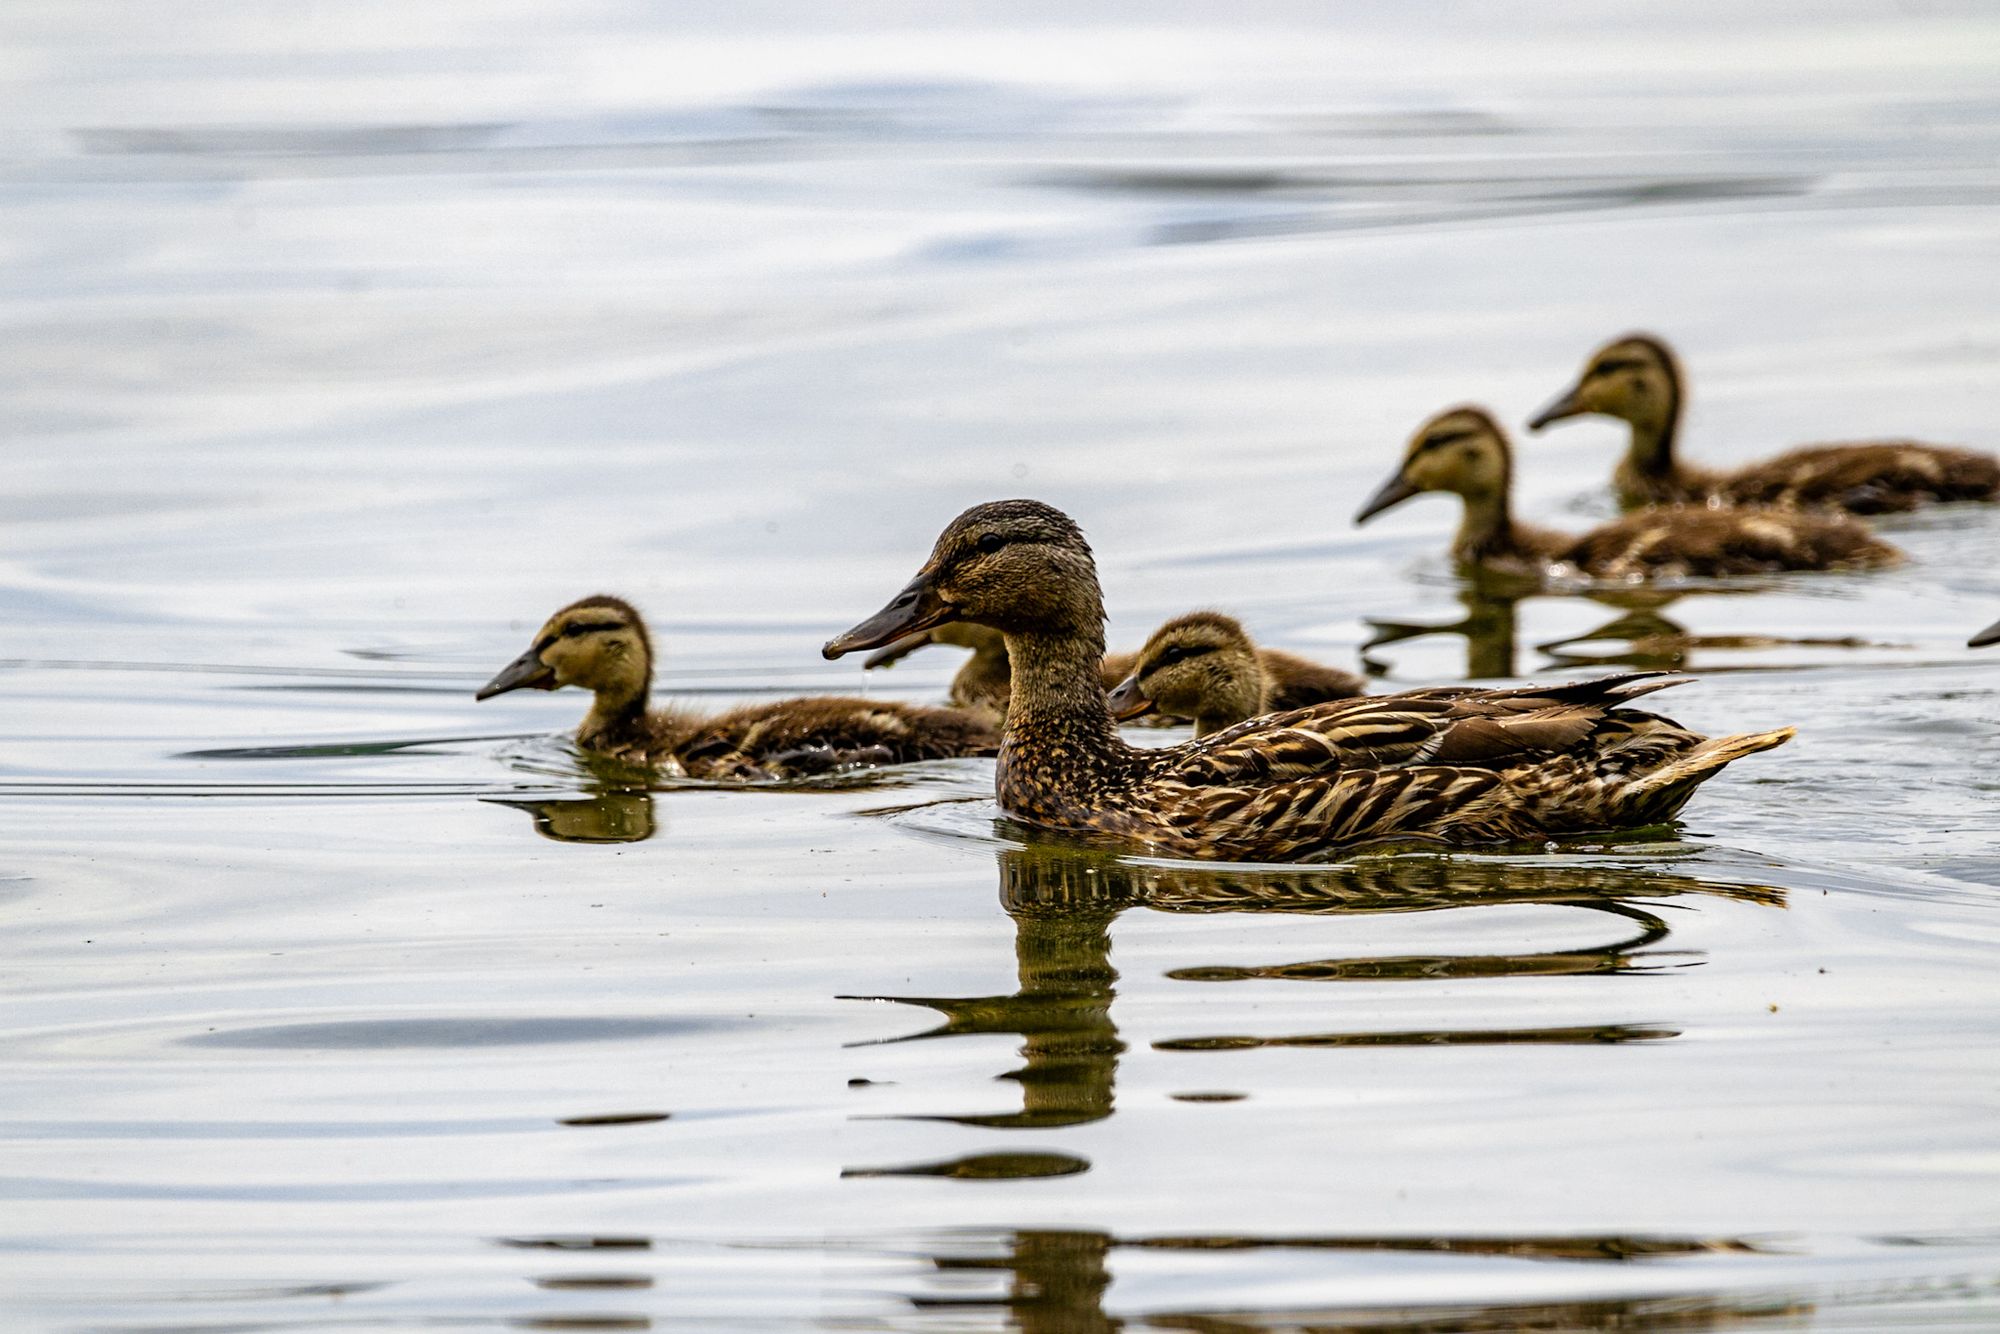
(1675, 781)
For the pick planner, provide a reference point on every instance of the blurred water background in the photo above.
(339, 344)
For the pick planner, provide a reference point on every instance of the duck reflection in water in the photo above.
(1063, 901)
(1055, 1281)
(616, 807)
(1487, 626)
(1640, 635)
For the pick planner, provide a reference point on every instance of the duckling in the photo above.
(1203, 666)
(602, 644)
(1638, 379)
(1458, 764)
(1464, 451)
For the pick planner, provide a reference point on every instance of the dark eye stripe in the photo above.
(1443, 438)
(576, 628)
(1174, 653)
(1610, 367)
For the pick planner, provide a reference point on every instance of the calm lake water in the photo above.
(342, 345)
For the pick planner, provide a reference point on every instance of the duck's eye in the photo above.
(575, 628)
(1443, 438)
(990, 543)
(1174, 653)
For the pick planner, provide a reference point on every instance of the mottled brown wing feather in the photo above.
(1458, 723)
(1283, 820)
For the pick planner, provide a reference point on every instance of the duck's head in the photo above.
(1016, 566)
(1200, 666)
(599, 643)
(1634, 378)
(1462, 450)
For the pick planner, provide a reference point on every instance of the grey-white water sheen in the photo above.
(340, 344)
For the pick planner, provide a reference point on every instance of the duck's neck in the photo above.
(617, 717)
(1656, 425)
(1248, 696)
(1060, 744)
(1488, 529)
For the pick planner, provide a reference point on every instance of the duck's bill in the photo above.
(1394, 492)
(896, 652)
(1126, 701)
(1990, 635)
(1561, 408)
(915, 609)
(527, 672)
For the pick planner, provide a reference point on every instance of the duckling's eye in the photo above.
(1612, 368)
(1443, 438)
(1174, 653)
(576, 628)
(990, 543)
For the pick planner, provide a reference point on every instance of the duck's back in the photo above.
(1458, 764)
(1698, 541)
(815, 734)
(1292, 682)
(1887, 477)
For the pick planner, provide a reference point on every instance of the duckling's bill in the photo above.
(1393, 493)
(916, 608)
(1565, 405)
(1990, 635)
(527, 672)
(1127, 702)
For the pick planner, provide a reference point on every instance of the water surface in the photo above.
(337, 355)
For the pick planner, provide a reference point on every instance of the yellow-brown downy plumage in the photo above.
(1203, 666)
(1638, 380)
(1465, 452)
(1461, 765)
(601, 644)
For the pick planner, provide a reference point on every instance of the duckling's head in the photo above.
(1016, 566)
(1635, 378)
(1462, 451)
(599, 643)
(1200, 666)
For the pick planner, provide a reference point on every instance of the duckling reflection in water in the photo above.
(607, 817)
(1464, 451)
(1638, 380)
(1203, 666)
(1461, 765)
(601, 644)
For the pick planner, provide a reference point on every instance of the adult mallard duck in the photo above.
(1464, 451)
(601, 643)
(1203, 666)
(1460, 765)
(1638, 380)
